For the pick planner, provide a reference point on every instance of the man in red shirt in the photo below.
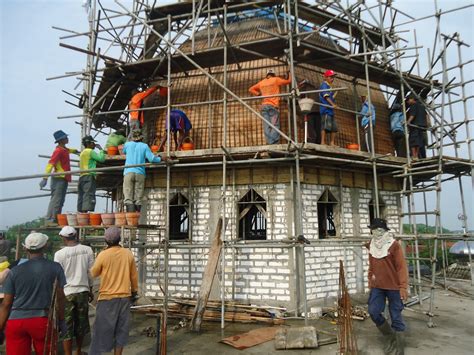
(59, 162)
(270, 105)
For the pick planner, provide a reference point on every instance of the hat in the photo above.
(35, 241)
(270, 72)
(68, 232)
(329, 73)
(379, 223)
(112, 235)
(137, 135)
(59, 135)
(88, 139)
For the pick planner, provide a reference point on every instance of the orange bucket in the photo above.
(108, 219)
(120, 219)
(62, 220)
(132, 218)
(155, 148)
(95, 219)
(83, 219)
(187, 144)
(112, 150)
(353, 146)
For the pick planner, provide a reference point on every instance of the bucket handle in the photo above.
(188, 139)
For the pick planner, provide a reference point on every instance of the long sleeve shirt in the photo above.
(269, 86)
(390, 272)
(136, 103)
(396, 121)
(137, 153)
(60, 162)
(117, 271)
(364, 113)
(89, 159)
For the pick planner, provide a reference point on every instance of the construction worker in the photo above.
(59, 162)
(388, 280)
(179, 123)
(136, 102)
(118, 290)
(270, 108)
(397, 127)
(5, 245)
(28, 293)
(76, 260)
(328, 99)
(116, 138)
(87, 184)
(367, 122)
(417, 123)
(136, 153)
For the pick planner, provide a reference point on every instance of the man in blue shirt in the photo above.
(136, 152)
(328, 99)
(367, 122)
(397, 121)
(179, 123)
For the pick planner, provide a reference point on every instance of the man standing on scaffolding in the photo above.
(328, 100)
(270, 105)
(367, 122)
(417, 124)
(136, 102)
(59, 162)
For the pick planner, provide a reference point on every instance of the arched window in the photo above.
(372, 209)
(327, 207)
(252, 217)
(179, 217)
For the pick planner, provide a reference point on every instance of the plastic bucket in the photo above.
(353, 146)
(83, 219)
(155, 148)
(62, 220)
(187, 144)
(132, 218)
(108, 219)
(306, 104)
(71, 219)
(112, 150)
(120, 219)
(95, 219)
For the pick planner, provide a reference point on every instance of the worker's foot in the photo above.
(50, 223)
(400, 343)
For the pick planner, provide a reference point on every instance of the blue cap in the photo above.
(59, 135)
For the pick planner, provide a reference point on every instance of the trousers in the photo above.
(86, 193)
(271, 114)
(20, 333)
(58, 196)
(133, 189)
(376, 304)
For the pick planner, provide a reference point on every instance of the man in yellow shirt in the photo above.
(118, 289)
(270, 105)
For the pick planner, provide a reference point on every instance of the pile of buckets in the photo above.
(99, 219)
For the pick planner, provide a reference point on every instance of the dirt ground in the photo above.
(453, 334)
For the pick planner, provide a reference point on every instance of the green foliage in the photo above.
(422, 229)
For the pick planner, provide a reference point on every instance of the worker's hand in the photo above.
(43, 183)
(404, 294)
(335, 106)
(134, 298)
(62, 328)
(91, 295)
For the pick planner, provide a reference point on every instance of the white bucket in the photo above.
(306, 104)
(71, 219)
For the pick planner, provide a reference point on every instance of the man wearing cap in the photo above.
(59, 162)
(136, 153)
(270, 105)
(28, 293)
(179, 123)
(327, 98)
(118, 289)
(76, 260)
(116, 138)
(388, 280)
(87, 186)
(367, 122)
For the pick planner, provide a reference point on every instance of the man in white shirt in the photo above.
(76, 260)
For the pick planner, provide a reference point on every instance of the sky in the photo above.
(30, 105)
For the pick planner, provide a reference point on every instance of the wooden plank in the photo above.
(208, 276)
(251, 338)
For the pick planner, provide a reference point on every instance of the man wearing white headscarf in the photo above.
(388, 279)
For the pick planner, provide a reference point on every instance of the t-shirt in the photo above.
(89, 158)
(179, 121)
(118, 273)
(396, 121)
(417, 110)
(76, 262)
(323, 95)
(137, 153)
(60, 162)
(31, 284)
(136, 103)
(115, 140)
(270, 86)
(364, 112)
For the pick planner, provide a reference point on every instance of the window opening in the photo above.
(327, 204)
(179, 218)
(252, 217)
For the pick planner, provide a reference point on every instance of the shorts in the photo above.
(328, 123)
(76, 315)
(416, 137)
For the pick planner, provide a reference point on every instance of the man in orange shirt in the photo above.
(136, 102)
(270, 105)
(118, 289)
